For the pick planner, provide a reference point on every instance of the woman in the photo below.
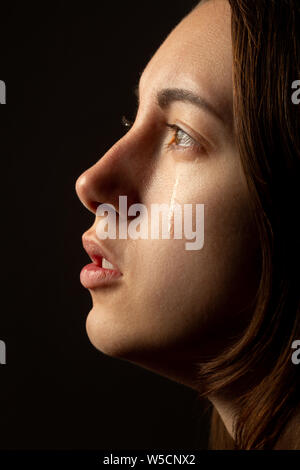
(215, 126)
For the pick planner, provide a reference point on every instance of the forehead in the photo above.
(196, 55)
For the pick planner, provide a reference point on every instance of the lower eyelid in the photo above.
(195, 148)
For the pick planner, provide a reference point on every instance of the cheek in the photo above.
(198, 287)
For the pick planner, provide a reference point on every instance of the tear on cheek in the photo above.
(179, 215)
(172, 204)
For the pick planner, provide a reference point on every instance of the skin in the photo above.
(174, 308)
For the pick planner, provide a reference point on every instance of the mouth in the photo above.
(102, 271)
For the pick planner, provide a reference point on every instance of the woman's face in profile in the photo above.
(173, 306)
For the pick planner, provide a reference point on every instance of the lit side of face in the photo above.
(174, 307)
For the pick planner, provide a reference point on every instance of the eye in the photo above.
(182, 140)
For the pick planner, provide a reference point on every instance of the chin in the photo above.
(102, 334)
(112, 337)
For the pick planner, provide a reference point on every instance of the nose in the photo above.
(123, 170)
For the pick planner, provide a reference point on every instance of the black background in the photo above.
(70, 70)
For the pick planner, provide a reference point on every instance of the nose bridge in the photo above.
(122, 170)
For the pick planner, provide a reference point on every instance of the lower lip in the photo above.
(92, 276)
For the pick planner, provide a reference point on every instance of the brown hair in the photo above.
(266, 61)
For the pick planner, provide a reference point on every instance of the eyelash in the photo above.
(192, 143)
(126, 122)
(176, 130)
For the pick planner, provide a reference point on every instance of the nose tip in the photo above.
(82, 191)
(79, 183)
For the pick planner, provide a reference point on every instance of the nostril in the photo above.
(94, 205)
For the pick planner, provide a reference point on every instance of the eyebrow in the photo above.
(167, 96)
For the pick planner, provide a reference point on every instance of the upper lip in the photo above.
(97, 252)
